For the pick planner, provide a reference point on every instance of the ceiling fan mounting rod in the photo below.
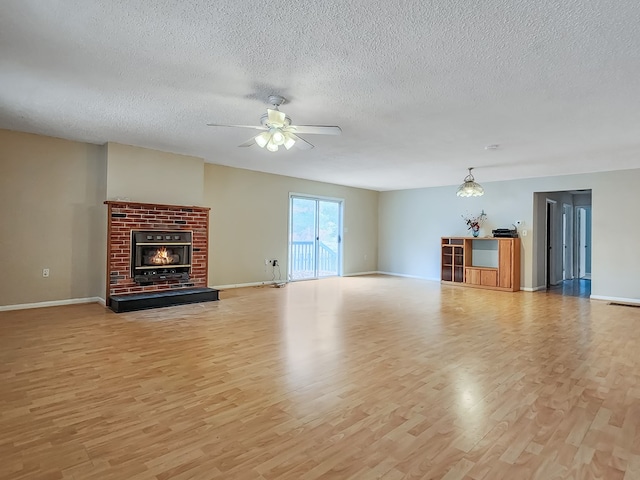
(276, 100)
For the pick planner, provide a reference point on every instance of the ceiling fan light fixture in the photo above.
(289, 141)
(277, 136)
(278, 130)
(470, 188)
(271, 146)
(263, 139)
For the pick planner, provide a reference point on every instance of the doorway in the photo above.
(315, 237)
(562, 242)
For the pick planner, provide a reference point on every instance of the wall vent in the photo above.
(617, 304)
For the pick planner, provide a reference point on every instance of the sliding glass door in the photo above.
(315, 236)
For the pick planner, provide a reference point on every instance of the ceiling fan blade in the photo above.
(301, 143)
(316, 129)
(249, 142)
(255, 127)
(275, 117)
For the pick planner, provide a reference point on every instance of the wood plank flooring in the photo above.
(578, 287)
(362, 377)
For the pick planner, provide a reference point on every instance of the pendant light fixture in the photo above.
(470, 188)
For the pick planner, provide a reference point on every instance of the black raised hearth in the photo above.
(166, 298)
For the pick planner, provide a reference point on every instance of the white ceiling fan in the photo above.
(278, 130)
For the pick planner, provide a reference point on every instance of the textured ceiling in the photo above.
(418, 87)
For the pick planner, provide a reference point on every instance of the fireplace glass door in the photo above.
(160, 255)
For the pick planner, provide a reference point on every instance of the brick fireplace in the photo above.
(126, 221)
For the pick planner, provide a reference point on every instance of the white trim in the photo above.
(417, 277)
(567, 235)
(360, 273)
(311, 196)
(377, 272)
(533, 289)
(243, 285)
(52, 303)
(635, 301)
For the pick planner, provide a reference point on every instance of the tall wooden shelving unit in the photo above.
(458, 266)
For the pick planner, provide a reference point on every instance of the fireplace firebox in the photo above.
(160, 255)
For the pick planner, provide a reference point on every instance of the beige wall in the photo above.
(411, 223)
(53, 190)
(51, 205)
(249, 222)
(151, 176)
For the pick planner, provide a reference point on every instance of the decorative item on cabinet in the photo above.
(475, 222)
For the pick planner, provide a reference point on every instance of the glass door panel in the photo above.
(328, 238)
(315, 237)
(302, 245)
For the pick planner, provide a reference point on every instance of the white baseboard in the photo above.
(52, 303)
(417, 277)
(271, 282)
(533, 289)
(357, 274)
(634, 301)
(243, 285)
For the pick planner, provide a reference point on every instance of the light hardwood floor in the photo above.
(364, 377)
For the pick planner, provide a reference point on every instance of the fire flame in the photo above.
(162, 257)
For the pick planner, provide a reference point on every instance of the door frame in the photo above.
(549, 263)
(317, 198)
(567, 243)
(580, 254)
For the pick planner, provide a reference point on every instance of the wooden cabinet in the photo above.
(492, 263)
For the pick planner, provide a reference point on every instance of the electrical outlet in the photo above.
(45, 272)
(267, 261)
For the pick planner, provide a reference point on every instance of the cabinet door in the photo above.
(458, 264)
(447, 263)
(489, 278)
(472, 276)
(504, 263)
